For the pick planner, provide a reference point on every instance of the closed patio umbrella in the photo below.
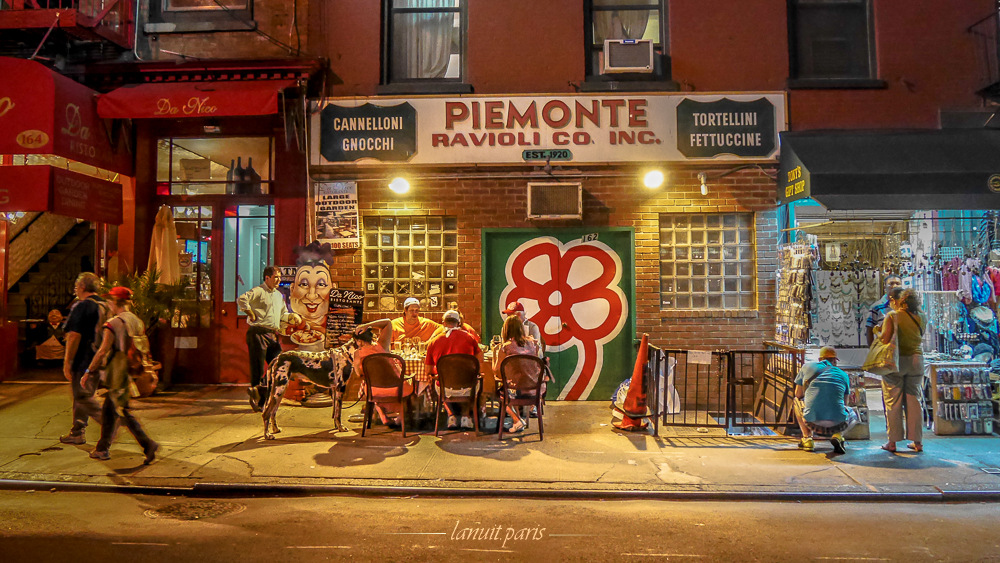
(163, 249)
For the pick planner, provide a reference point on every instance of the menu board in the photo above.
(344, 315)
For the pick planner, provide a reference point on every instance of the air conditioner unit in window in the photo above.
(628, 55)
(555, 200)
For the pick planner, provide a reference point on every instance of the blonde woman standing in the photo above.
(906, 323)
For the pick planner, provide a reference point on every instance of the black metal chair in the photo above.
(521, 379)
(458, 372)
(385, 384)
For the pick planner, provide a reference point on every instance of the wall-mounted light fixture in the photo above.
(399, 185)
(653, 179)
(703, 177)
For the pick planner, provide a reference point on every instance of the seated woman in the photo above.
(515, 341)
(369, 345)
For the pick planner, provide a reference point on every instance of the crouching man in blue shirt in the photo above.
(821, 390)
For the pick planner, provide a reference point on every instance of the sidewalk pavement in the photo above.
(211, 443)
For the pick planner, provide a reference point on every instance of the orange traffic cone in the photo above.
(634, 411)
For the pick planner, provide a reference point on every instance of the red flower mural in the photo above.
(571, 292)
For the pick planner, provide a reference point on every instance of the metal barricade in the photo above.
(746, 392)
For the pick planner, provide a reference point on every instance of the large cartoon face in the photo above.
(309, 295)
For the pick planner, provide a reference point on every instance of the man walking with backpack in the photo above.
(83, 326)
(124, 343)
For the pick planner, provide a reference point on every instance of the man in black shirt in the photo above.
(81, 328)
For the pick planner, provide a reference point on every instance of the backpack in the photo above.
(137, 355)
(103, 316)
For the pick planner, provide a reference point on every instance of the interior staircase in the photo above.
(48, 283)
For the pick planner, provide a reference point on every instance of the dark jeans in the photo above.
(84, 404)
(263, 348)
(111, 419)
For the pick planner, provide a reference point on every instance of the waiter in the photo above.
(266, 311)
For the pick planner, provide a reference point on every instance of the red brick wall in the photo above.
(500, 201)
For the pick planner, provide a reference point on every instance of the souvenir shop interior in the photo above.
(833, 270)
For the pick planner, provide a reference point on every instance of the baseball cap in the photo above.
(512, 307)
(452, 315)
(119, 292)
(410, 301)
(827, 352)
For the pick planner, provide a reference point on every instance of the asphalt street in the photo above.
(67, 526)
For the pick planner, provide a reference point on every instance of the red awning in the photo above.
(43, 112)
(193, 99)
(60, 191)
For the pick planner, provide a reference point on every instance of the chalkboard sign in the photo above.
(346, 308)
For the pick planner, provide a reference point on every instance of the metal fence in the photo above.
(745, 392)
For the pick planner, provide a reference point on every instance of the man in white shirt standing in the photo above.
(265, 310)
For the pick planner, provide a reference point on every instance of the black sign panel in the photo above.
(346, 307)
(793, 177)
(709, 129)
(386, 133)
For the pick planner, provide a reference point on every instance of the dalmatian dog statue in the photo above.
(330, 368)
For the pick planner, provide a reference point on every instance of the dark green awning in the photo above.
(926, 169)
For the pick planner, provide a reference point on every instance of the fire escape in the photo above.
(986, 31)
(66, 33)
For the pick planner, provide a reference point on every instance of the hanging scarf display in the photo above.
(980, 289)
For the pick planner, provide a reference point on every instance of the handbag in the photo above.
(883, 358)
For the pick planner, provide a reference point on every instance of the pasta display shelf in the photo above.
(961, 398)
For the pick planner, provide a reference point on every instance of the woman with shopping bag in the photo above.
(905, 325)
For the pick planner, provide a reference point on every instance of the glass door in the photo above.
(247, 248)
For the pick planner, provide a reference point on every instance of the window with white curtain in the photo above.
(425, 40)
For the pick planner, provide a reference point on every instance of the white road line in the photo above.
(854, 558)
(417, 533)
(487, 550)
(136, 543)
(317, 547)
(570, 535)
(665, 555)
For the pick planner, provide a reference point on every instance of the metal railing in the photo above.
(745, 392)
(986, 31)
(111, 19)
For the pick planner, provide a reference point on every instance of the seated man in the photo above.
(821, 390)
(453, 340)
(411, 326)
(370, 345)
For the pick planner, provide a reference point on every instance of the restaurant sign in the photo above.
(647, 127)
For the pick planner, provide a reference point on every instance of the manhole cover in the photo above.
(196, 510)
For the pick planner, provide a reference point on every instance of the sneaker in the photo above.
(467, 422)
(72, 438)
(452, 423)
(534, 412)
(100, 454)
(254, 398)
(807, 444)
(839, 444)
(150, 452)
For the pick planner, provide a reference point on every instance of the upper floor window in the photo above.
(831, 39)
(167, 16)
(425, 40)
(644, 20)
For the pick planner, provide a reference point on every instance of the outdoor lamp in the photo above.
(399, 185)
(653, 179)
(703, 178)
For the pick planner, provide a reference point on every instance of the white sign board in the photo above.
(640, 127)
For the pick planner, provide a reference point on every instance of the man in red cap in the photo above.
(530, 328)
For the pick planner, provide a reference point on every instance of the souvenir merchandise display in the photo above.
(961, 396)
(841, 305)
(794, 295)
(858, 399)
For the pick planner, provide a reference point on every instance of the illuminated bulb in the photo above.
(653, 179)
(704, 189)
(399, 185)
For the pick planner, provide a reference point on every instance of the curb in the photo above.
(262, 490)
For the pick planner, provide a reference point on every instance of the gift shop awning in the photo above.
(193, 99)
(59, 191)
(927, 169)
(44, 112)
